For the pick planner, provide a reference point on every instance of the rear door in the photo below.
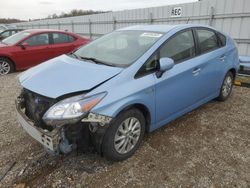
(196, 77)
(212, 57)
(36, 50)
(62, 43)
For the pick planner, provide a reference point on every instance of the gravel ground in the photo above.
(209, 147)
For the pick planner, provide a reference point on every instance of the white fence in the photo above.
(229, 16)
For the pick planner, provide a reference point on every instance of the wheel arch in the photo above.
(7, 57)
(233, 71)
(142, 108)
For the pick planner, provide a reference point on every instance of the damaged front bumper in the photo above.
(49, 139)
(56, 141)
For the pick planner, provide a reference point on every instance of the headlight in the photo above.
(72, 108)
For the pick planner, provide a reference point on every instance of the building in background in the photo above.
(229, 16)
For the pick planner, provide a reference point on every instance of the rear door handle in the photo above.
(222, 58)
(196, 71)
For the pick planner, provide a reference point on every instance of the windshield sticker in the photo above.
(154, 35)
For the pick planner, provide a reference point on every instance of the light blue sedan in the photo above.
(108, 93)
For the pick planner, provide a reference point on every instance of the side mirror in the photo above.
(24, 45)
(165, 65)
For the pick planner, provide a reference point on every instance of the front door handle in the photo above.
(196, 71)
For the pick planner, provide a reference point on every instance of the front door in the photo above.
(36, 50)
(179, 88)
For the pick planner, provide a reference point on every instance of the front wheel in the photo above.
(124, 135)
(227, 86)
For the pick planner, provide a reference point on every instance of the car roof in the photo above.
(161, 28)
(13, 30)
(32, 31)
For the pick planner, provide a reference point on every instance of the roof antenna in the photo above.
(188, 20)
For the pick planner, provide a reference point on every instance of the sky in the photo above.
(35, 9)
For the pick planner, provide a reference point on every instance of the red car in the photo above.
(31, 47)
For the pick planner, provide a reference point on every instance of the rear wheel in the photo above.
(227, 86)
(124, 135)
(6, 66)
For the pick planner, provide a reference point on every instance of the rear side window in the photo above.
(223, 39)
(37, 40)
(207, 40)
(71, 39)
(62, 38)
(180, 47)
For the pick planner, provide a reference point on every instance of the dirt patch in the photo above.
(209, 147)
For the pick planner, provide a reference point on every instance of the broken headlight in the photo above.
(72, 108)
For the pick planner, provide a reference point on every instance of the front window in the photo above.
(180, 47)
(16, 38)
(120, 48)
(38, 40)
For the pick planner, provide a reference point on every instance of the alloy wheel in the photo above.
(227, 86)
(127, 135)
(4, 67)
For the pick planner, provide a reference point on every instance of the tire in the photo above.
(227, 86)
(118, 133)
(6, 66)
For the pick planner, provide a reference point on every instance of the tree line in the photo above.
(9, 20)
(72, 13)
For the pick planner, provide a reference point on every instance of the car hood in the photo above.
(64, 75)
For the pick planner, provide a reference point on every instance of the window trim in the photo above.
(157, 52)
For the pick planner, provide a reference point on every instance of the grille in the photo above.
(35, 106)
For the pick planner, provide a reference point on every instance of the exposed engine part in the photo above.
(97, 137)
(82, 136)
(35, 106)
(101, 119)
(64, 145)
(93, 126)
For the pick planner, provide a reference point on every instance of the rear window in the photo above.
(207, 40)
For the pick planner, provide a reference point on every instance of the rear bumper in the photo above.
(49, 140)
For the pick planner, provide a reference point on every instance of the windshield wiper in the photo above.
(97, 61)
(74, 55)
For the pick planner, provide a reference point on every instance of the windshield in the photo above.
(120, 48)
(16, 38)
